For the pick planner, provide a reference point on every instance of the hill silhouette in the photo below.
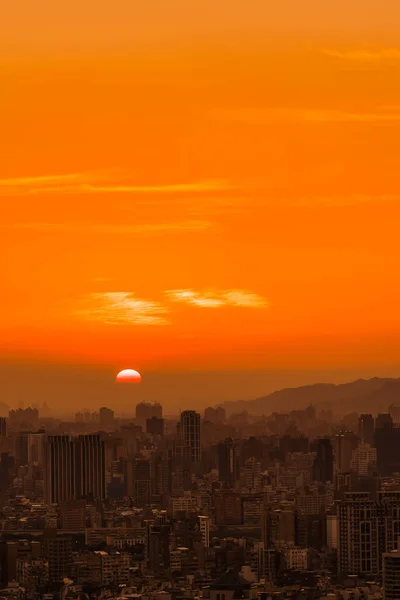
(363, 396)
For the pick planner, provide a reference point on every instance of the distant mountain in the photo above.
(363, 395)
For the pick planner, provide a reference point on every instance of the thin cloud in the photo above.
(117, 229)
(215, 299)
(122, 308)
(365, 55)
(86, 183)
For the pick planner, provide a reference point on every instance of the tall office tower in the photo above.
(106, 417)
(142, 482)
(391, 575)
(344, 444)
(358, 546)
(190, 433)
(204, 524)
(363, 460)
(387, 444)
(155, 426)
(394, 412)
(253, 475)
(323, 463)
(90, 467)
(227, 462)
(383, 420)
(60, 481)
(388, 509)
(366, 427)
(3, 427)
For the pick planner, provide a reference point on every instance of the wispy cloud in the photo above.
(383, 54)
(117, 229)
(215, 299)
(88, 183)
(121, 308)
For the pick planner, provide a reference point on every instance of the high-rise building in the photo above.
(253, 475)
(391, 575)
(204, 524)
(142, 482)
(60, 481)
(344, 444)
(75, 468)
(106, 417)
(3, 427)
(363, 459)
(155, 426)
(368, 528)
(90, 467)
(366, 427)
(382, 420)
(190, 433)
(227, 462)
(324, 461)
(358, 535)
(387, 443)
(394, 411)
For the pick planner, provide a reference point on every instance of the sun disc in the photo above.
(128, 376)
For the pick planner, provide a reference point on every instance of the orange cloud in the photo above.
(214, 299)
(122, 308)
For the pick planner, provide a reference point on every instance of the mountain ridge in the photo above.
(361, 395)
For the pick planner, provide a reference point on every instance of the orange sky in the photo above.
(202, 184)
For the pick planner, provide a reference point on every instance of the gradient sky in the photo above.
(203, 186)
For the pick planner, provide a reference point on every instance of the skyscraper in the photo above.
(60, 483)
(323, 464)
(90, 467)
(3, 427)
(75, 468)
(368, 528)
(366, 426)
(394, 411)
(227, 462)
(190, 433)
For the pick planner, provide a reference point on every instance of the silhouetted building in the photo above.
(155, 426)
(383, 420)
(190, 433)
(60, 482)
(3, 427)
(90, 467)
(106, 416)
(142, 482)
(394, 411)
(75, 468)
(227, 462)
(366, 427)
(324, 461)
(387, 444)
(344, 444)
